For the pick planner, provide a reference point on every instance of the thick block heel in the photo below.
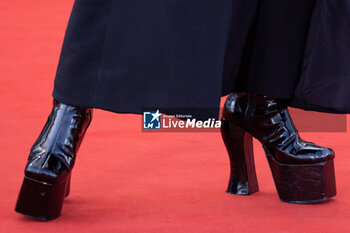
(303, 183)
(40, 200)
(239, 145)
(68, 187)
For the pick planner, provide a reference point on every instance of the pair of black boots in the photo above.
(303, 172)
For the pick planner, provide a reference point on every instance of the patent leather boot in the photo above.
(50, 162)
(303, 171)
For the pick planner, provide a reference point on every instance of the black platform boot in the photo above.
(303, 172)
(51, 159)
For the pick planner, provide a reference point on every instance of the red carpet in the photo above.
(125, 180)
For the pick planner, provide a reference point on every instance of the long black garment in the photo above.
(127, 55)
(274, 48)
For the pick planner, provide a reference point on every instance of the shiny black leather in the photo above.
(268, 120)
(52, 156)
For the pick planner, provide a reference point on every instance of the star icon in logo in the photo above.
(156, 116)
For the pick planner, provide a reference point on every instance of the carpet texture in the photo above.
(125, 180)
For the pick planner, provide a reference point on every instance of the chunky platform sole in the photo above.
(295, 183)
(40, 200)
(304, 183)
